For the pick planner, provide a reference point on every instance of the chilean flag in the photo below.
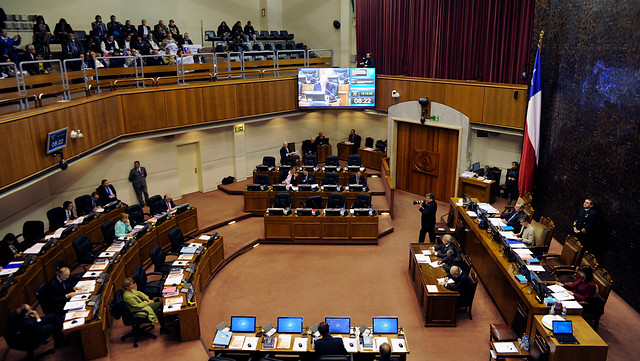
(531, 143)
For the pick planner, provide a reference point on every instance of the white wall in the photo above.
(496, 150)
(223, 153)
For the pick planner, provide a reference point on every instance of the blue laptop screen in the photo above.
(290, 324)
(338, 324)
(385, 325)
(562, 327)
(243, 324)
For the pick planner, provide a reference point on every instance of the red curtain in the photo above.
(485, 40)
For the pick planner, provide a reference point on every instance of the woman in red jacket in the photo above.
(583, 289)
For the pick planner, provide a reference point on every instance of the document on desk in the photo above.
(432, 288)
(173, 300)
(86, 286)
(467, 174)
(99, 267)
(73, 323)
(250, 343)
(75, 305)
(114, 248)
(76, 314)
(427, 252)
(284, 342)
(107, 254)
(173, 280)
(236, 342)
(435, 264)
(379, 341)
(171, 308)
(78, 220)
(421, 258)
(487, 181)
(505, 347)
(472, 214)
(496, 221)
(556, 288)
(508, 234)
(449, 281)
(204, 237)
(180, 263)
(517, 245)
(222, 338)
(535, 268)
(35, 249)
(80, 297)
(562, 296)
(398, 345)
(186, 257)
(572, 305)
(522, 251)
(301, 341)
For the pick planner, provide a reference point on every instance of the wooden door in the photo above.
(427, 160)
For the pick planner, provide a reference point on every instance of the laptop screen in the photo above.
(289, 324)
(562, 327)
(243, 323)
(475, 167)
(338, 324)
(385, 325)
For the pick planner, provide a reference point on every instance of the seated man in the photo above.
(307, 178)
(136, 300)
(8, 45)
(106, 192)
(59, 290)
(452, 259)
(168, 204)
(328, 345)
(31, 326)
(68, 211)
(445, 246)
(289, 178)
(321, 139)
(487, 172)
(284, 153)
(459, 277)
(513, 218)
(385, 352)
(527, 233)
(96, 203)
(358, 178)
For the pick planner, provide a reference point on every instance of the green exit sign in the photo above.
(435, 118)
(238, 128)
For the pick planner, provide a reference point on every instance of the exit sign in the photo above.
(238, 128)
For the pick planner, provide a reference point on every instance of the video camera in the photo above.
(421, 202)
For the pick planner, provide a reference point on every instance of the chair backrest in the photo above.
(588, 259)
(332, 160)
(83, 205)
(108, 229)
(157, 256)
(314, 202)
(177, 239)
(269, 161)
(571, 251)
(368, 142)
(334, 358)
(306, 145)
(155, 204)
(363, 200)
(539, 350)
(56, 218)
(336, 200)
(466, 262)
(83, 247)
(43, 298)
(330, 178)
(262, 179)
(136, 214)
(140, 277)
(291, 146)
(519, 323)
(356, 141)
(354, 159)
(544, 230)
(282, 200)
(603, 282)
(310, 159)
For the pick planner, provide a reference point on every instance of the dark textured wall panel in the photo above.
(590, 144)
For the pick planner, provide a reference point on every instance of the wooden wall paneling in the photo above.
(433, 90)
(282, 95)
(18, 153)
(252, 97)
(384, 87)
(184, 107)
(108, 115)
(219, 102)
(501, 108)
(144, 111)
(40, 126)
(468, 99)
(83, 117)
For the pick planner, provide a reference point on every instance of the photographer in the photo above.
(428, 208)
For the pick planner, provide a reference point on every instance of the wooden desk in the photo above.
(323, 151)
(345, 149)
(371, 158)
(259, 201)
(274, 176)
(591, 347)
(472, 187)
(437, 309)
(321, 229)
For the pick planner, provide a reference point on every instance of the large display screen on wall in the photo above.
(336, 87)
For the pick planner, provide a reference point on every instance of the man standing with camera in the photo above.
(428, 208)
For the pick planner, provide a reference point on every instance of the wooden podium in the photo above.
(323, 151)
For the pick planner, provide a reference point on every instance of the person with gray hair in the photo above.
(459, 278)
(526, 234)
(451, 259)
(428, 209)
(447, 244)
(385, 352)
(513, 218)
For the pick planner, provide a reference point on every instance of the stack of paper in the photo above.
(449, 280)
(35, 249)
(505, 347)
(468, 174)
(284, 342)
(76, 314)
(300, 344)
(572, 305)
(107, 254)
(487, 181)
(435, 264)
(236, 342)
(173, 300)
(75, 305)
(488, 208)
(73, 323)
(421, 258)
(508, 234)
(99, 267)
(86, 286)
(427, 252)
(58, 232)
(204, 237)
(556, 288)
(472, 214)
(398, 345)
(114, 248)
(496, 221)
(173, 280)
(562, 296)
(171, 308)
(535, 268)
(78, 220)
(80, 297)
(432, 288)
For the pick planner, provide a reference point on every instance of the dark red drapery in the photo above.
(486, 40)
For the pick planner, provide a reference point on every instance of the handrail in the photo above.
(317, 56)
(17, 76)
(214, 65)
(107, 58)
(387, 183)
(278, 52)
(53, 61)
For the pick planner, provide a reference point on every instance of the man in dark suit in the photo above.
(584, 224)
(96, 203)
(330, 89)
(428, 208)
(452, 259)
(459, 277)
(28, 323)
(58, 291)
(513, 218)
(284, 153)
(167, 204)
(321, 139)
(487, 172)
(138, 176)
(307, 178)
(68, 211)
(328, 345)
(358, 178)
(352, 136)
(385, 352)
(289, 178)
(144, 29)
(72, 48)
(447, 244)
(106, 192)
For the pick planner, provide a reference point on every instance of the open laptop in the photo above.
(243, 323)
(341, 325)
(385, 325)
(563, 332)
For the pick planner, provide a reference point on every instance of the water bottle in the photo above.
(564, 312)
(552, 310)
(525, 342)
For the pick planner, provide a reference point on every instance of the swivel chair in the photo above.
(269, 162)
(282, 200)
(149, 288)
(159, 259)
(108, 229)
(85, 254)
(83, 205)
(310, 160)
(177, 240)
(136, 319)
(333, 161)
(156, 205)
(22, 341)
(136, 214)
(262, 179)
(354, 159)
(330, 178)
(56, 217)
(363, 200)
(336, 200)
(314, 202)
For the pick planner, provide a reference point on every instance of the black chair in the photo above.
(264, 34)
(136, 214)
(149, 288)
(368, 142)
(330, 178)
(363, 200)
(282, 200)
(155, 204)
(466, 296)
(285, 35)
(159, 259)
(354, 159)
(310, 159)
(56, 217)
(274, 35)
(306, 146)
(336, 200)
(42, 295)
(262, 179)
(18, 340)
(177, 240)
(32, 232)
(140, 325)
(83, 205)
(85, 253)
(356, 143)
(269, 162)
(335, 358)
(314, 202)
(108, 229)
(333, 160)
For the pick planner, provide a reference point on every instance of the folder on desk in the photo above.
(222, 338)
(73, 323)
(379, 341)
(506, 228)
(398, 345)
(284, 342)
(250, 343)
(236, 342)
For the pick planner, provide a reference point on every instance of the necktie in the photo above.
(108, 190)
(513, 216)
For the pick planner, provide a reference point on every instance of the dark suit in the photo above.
(428, 221)
(72, 49)
(512, 185)
(32, 69)
(104, 195)
(283, 155)
(68, 215)
(513, 220)
(284, 175)
(30, 329)
(447, 262)
(165, 207)
(352, 138)
(328, 345)
(138, 176)
(56, 295)
(443, 248)
(459, 283)
(141, 30)
(96, 203)
(310, 178)
(489, 174)
(361, 180)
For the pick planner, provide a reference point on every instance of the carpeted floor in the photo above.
(315, 281)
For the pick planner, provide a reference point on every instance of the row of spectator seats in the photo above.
(210, 35)
(221, 46)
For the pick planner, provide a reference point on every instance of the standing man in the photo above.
(583, 226)
(352, 136)
(428, 208)
(138, 176)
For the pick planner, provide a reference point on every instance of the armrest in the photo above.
(189, 237)
(550, 255)
(563, 270)
(158, 274)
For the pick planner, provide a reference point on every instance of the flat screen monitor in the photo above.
(56, 140)
(243, 323)
(338, 324)
(289, 324)
(336, 87)
(475, 167)
(385, 325)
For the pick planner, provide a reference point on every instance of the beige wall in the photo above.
(223, 153)
(497, 150)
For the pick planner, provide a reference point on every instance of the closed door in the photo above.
(427, 160)
(189, 168)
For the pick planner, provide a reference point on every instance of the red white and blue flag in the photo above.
(531, 143)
